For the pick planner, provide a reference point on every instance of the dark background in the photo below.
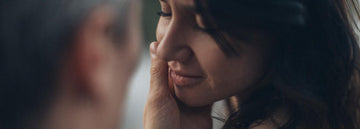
(150, 19)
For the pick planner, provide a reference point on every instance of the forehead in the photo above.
(186, 2)
(181, 2)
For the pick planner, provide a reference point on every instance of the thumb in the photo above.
(161, 111)
(158, 71)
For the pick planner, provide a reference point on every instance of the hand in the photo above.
(162, 109)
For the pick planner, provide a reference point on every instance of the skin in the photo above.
(194, 54)
(93, 79)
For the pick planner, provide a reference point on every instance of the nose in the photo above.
(173, 44)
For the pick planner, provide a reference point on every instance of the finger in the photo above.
(158, 71)
(171, 84)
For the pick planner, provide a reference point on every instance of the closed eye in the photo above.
(162, 14)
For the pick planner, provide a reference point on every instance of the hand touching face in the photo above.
(201, 72)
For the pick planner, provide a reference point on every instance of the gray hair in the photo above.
(34, 37)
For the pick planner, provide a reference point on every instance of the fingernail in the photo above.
(153, 47)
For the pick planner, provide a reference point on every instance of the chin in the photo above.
(192, 98)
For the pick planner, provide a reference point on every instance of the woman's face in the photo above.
(201, 72)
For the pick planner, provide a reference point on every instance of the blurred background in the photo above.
(139, 86)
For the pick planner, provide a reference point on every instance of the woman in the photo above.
(280, 64)
(65, 64)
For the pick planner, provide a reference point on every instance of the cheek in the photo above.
(130, 51)
(127, 57)
(236, 76)
(122, 72)
(226, 76)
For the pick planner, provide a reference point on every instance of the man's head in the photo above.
(65, 59)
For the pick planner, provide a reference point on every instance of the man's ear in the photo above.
(89, 58)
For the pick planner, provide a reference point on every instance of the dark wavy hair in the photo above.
(314, 70)
(35, 36)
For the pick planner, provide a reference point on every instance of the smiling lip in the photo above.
(184, 80)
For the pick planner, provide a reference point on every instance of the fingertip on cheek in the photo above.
(153, 47)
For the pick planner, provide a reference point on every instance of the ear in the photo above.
(89, 58)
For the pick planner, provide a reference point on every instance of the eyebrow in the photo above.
(187, 7)
(191, 8)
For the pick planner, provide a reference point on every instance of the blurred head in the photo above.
(296, 55)
(66, 64)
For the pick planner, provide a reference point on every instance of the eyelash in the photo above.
(162, 14)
